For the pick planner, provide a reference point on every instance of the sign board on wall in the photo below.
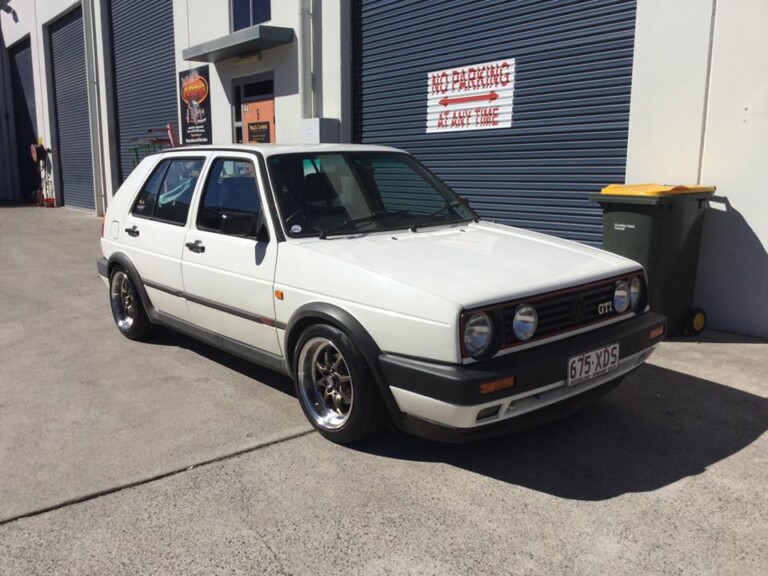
(195, 103)
(476, 97)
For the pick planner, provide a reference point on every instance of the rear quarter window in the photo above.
(167, 193)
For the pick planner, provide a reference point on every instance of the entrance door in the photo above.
(254, 112)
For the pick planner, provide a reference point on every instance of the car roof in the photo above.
(272, 149)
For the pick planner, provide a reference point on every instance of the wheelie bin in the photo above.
(660, 227)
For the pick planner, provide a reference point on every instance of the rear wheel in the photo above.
(127, 309)
(334, 385)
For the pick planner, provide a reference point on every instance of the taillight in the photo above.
(103, 223)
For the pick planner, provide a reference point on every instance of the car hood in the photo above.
(473, 264)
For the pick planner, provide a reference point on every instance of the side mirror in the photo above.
(262, 232)
(237, 223)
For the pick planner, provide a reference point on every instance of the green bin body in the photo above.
(663, 233)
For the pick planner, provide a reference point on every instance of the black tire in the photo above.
(127, 308)
(334, 385)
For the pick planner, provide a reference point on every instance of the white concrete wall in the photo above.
(733, 279)
(198, 21)
(699, 114)
(669, 77)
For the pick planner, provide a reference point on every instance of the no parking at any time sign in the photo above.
(477, 97)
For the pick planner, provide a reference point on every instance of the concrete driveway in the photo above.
(169, 457)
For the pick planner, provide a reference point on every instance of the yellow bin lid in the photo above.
(655, 189)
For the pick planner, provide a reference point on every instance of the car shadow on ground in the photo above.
(279, 382)
(658, 427)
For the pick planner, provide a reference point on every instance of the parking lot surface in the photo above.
(169, 457)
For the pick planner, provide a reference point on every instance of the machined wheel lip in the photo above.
(122, 297)
(324, 383)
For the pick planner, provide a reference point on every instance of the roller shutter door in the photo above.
(571, 100)
(24, 116)
(70, 96)
(145, 72)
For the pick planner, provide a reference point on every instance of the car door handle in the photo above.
(132, 231)
(196, 246)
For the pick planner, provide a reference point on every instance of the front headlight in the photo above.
(635, 291)
(621, 297)
(478, 334)
(526, 321)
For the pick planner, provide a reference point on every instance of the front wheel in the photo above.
(127, 310)
(334, 385)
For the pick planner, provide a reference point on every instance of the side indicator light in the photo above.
(496, 385)
(279, 295)
(657, 332)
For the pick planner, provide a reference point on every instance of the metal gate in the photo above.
(24, 117)
(72, 148)
(145, 73)
(570, 113)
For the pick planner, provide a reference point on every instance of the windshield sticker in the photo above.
(295, 229)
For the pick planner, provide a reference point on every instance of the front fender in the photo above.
(325, 313)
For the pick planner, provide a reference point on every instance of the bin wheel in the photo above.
(695, 321)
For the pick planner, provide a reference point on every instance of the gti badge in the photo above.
(605, 308)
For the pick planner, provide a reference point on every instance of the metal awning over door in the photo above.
(144, 73)
(570, 112)
(72, 148)
(24, 118)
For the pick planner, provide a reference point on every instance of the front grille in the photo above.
(564, 311)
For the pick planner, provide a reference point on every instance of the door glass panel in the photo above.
(231, 194)
(177, 189)
(145, 203)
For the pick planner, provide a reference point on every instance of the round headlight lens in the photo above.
(478, 334)
(525, 322)
(635, 291)
(621, 297)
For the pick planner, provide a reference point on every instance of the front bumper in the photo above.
(444, 401)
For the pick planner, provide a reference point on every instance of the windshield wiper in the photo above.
(377, 215)
(448, 205)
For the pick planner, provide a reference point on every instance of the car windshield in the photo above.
(325, 194)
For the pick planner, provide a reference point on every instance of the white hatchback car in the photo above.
(378, 290)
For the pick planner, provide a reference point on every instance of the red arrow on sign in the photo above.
(490, 97)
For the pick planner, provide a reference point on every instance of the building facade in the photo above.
(525, 108)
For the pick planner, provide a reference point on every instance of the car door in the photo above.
(228, 272)
(154, 229)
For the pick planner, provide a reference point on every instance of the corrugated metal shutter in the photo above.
(24, 116)
(571, 102)
(70, 95)
(145, 72)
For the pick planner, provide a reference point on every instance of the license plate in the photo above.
(592, 364)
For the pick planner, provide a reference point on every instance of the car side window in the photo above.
(230, 203)
(147, 199)
(167, 193)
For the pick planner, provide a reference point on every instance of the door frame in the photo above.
(237, 87)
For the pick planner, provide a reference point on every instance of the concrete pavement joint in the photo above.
(113, 490)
